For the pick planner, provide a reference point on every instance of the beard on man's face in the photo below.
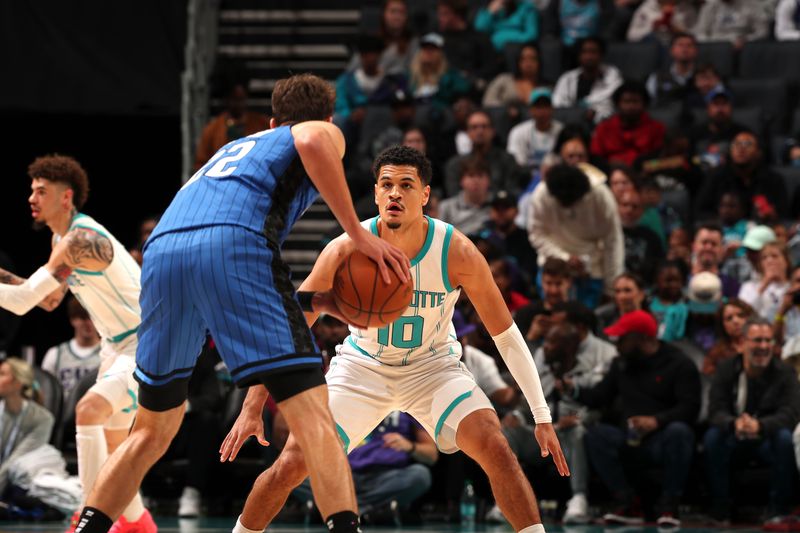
(38, 225)
(393, 225)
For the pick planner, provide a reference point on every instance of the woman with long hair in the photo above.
(513, 89)
(766, 292)
(24, 424)
(432, 80)
(630, 294)
(730, 336)
(400, 44)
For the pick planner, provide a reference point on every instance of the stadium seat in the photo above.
(570, 115)
(52, 396)
(376, 119)
(636, 61)
(720, 54)
(795, 128)
(550, 56)
(769, 94)
(669, 115)
(370, 18)
(750, 117)
(501, 122)
(791, 179)
(771, 60)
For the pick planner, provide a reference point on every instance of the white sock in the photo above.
(134, 510)
(239, 528)
(92, 453)
(535, 528)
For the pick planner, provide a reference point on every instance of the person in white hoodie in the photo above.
(574, 217)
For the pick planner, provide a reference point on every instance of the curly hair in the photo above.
(62, 169)
(404, 155)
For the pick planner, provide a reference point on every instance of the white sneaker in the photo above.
(577, 510)
(189, 506)
(495, 516)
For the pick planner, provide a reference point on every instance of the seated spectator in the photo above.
(707, 256)
(673, 82)
(622, 180)
(629, 295)
(536, 318)
(572, 352)
(706, 79)
(365, 86)
(735, 21)
(467, 50)
(787, 319)
(501, 272)
(710, 140)
(399, 43)
(591, 84)
(731, 318)
(24, 424)
(659, 215)
(508, 22)
(432, 80)
(754, 406)
(572, 145)
(468, 211)
(234, 122)
(704, 295)
(504, 172)
(73, 359)
(668, 304)
(679, 247)
(765, 292)
(390, 469)
(513, 89)
(463, 108)
(630, 132)
(787, 20)
(403, 110)
(146, 227)
(532, 139)
(643, 249)
(762, 189)
(662, 20)
(574, 217)
(502, 223)
(575, 20)
(735, 227)
(657, 389)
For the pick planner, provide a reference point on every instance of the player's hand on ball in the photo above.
(246, 424)
(383, 254)
(548, 443)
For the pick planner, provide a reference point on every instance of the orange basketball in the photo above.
(364, 299)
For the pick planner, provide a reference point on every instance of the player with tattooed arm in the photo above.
(97, 269)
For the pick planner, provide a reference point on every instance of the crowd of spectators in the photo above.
(639, 216)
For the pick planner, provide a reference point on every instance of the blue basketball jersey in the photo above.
(250, 182)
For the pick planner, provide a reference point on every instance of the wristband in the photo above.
(305, 297)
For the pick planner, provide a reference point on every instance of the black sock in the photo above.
(341, 522)
(93, 521)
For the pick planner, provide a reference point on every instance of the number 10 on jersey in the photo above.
(406, 332)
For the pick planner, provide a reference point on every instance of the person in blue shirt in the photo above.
(508, 22)
(213, 263)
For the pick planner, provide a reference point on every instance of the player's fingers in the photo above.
(561, 461)
(225, 449)
(262, 441)
(384, 271)
(399, 266)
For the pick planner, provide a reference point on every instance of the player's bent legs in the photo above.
(310, 421)
(479, 436)
(273, 486)
(123, 472)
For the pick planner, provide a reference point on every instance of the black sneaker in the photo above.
(382, 515)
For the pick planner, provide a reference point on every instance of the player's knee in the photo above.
(293, 466)
(92, 410)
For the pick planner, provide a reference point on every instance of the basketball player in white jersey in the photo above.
(412, 365)
(104, 278)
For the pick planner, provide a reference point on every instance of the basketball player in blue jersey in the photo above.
(213, 263)
(104, 278)
(413, 365)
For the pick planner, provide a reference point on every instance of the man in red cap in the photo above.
(657, 389)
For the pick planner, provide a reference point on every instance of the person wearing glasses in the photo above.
(754, 406)
(761, 188)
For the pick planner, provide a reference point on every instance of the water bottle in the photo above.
(468, 505)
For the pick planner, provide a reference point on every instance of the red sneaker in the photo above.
(145, 524)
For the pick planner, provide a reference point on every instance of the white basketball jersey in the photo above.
(426, 328)
(111, 297)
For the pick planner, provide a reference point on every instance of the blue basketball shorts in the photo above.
(227, 281)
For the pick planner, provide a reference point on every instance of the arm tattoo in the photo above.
(85, 245)
(62, 272)
(8, 278)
